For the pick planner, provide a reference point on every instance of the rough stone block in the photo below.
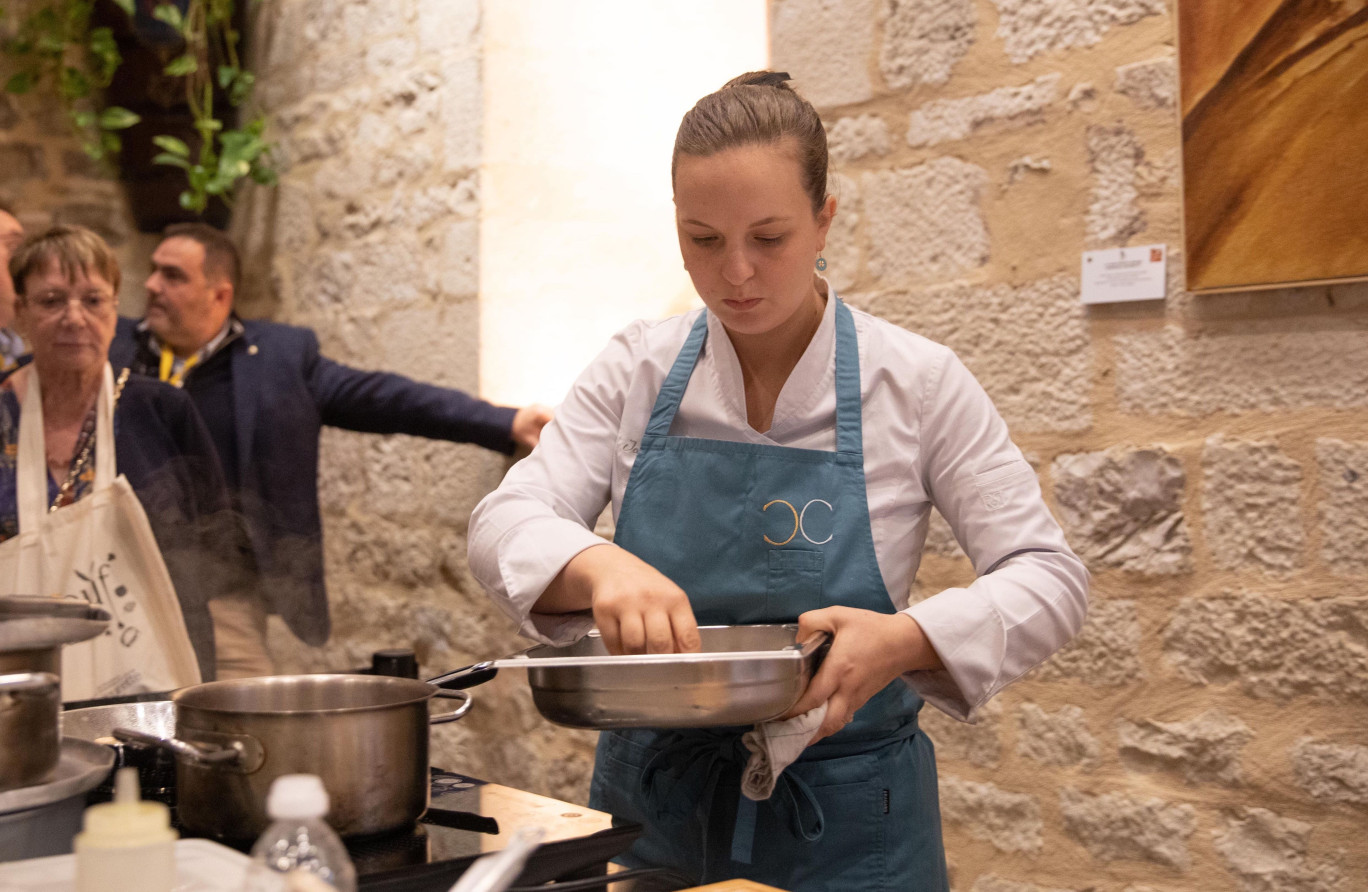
(1028, 345)
(1332, 772)
(9, 115)
(460, 263)
(979, 743)
(1058, 738)
(1170, 372)
(1268, 853)
(1010, 821)
(449, 24)
(1123, 509)
(925, 223)
(1105, 652)
(1150, 84)
(394, 271)
(992, 883)
(1114, 154)
(105, 217)
(856, 137)
(1343, 505)
(1026, 165)
(1031, 27)
(923, 39)
(826, 45)
(1115, 827)
(22, 161)
(462, 110)
(365, 22)
(1205, 749)
(946, 120)
(1251, 495)
(1273, 647)
(384, 56)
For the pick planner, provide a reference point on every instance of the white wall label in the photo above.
(1119, 274)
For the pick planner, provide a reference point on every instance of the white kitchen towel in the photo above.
(774, 746)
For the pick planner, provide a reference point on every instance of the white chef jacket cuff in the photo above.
(527, 568)
(970, 640)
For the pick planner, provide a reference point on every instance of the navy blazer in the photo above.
(284, 391)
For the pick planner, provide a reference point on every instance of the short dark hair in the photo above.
(221, 256)
(7, 208)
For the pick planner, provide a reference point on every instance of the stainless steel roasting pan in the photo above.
(742, 675)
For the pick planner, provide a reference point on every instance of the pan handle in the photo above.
(467, 677)
(460, 711)
(201, 754)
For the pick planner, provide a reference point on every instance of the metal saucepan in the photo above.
(156, 766)
(742, 675)
(34, 628)
(29, 744)
(366, 736)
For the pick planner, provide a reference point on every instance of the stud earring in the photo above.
(821, 263)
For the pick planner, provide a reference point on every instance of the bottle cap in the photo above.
(297, 796)
(127, 822)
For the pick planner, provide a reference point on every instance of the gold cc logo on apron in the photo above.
(799, 521)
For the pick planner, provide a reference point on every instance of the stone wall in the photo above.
(372, 240)
(48, 179)
(1207, 454)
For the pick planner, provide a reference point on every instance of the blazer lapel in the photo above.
(246, 386)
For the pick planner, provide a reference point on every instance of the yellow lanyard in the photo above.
(168, 361)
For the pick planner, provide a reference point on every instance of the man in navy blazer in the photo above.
(264, 392)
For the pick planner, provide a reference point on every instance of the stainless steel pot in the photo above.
(33, 630)
(29, 744)
(366, 736)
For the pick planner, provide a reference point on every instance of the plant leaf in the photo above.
(20, 82)
(118, 118)
(165, 12)
(226, 74)
(172, 145)
(181, 65)
(126, 6)
(172, 160)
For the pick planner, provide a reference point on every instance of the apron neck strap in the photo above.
(849, 436)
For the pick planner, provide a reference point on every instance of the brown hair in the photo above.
(221, 256)
(75, 248)
(757, 108)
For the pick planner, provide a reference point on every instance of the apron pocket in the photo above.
(850, 855)
(794, 585)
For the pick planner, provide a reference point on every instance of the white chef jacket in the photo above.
(931, 437)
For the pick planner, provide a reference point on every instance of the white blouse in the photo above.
(931, 437)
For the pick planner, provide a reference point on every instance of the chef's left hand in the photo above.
(527, 425)
(868, 650)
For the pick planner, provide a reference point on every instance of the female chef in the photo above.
(775, 457)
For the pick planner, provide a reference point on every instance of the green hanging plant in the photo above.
(55, 46)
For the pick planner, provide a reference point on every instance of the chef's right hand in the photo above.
(637, 608)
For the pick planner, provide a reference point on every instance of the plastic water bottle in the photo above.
(299, 852)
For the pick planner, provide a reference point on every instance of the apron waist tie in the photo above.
(698, 761)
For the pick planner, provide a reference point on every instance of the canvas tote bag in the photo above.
(101, 550)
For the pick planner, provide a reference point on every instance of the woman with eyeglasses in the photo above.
(66, 281)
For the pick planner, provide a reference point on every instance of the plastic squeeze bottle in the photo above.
(126, 845)
(299, 852)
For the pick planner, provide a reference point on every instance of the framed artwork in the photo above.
(1274, 99)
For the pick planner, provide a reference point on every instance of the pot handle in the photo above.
(199, 754)
(468, 677)
(457, 713)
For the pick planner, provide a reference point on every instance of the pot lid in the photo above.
(29, 622)
(81, 768)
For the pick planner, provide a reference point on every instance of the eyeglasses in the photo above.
(94, 304)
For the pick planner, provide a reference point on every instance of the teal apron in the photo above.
(760, 534)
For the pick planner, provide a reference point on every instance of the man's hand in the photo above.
(528, 424)
(868, 650)
(637, 608)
